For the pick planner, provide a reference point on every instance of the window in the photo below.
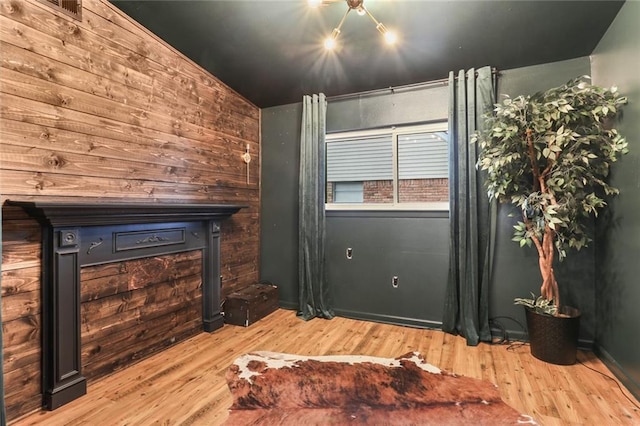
(398, 168)
(348, 192)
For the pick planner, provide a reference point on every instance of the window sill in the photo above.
(422, 210)
(434, 207)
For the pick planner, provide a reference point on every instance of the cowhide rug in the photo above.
(280, 389)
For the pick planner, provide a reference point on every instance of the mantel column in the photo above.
(62, 365)
(211, 317)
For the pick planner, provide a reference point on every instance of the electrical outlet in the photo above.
(349, 253)
(394, 281)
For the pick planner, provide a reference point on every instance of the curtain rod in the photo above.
(391, 89)
(394, 89)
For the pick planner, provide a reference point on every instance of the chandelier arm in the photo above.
(379, 25)
(358, 5)
(375, 21)
(342, 20)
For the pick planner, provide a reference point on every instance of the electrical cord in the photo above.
(614, 381)
(503, 339)
(516, 345)
(498, 340)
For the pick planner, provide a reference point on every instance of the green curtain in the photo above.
(472, 217)
(313, 290)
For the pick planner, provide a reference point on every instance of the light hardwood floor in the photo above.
(185, 384)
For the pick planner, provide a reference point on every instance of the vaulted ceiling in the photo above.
(271, 52)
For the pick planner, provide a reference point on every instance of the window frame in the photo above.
(395, 131)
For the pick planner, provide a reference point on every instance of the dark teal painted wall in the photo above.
(410, 245)
(357, 296)
(415, 248)
(616, 61)
(280, 156)
(388, 108)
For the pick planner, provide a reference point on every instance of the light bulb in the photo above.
(361, 11)
(390, 37)
(315, 3)
(329, 43)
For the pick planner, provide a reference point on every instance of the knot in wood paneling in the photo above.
(63, 100)
(55, 161)
(72, 29)
(37, 181)
(13, 8)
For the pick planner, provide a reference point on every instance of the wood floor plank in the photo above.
(185, 384)
(435, 344)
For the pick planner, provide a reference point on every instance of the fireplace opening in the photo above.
(135, 308)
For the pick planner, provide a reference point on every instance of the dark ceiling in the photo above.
(271, 51)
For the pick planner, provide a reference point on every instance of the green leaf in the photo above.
(572, 150)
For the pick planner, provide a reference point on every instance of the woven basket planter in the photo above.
(554, 339)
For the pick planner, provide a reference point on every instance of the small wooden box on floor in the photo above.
(246, 306)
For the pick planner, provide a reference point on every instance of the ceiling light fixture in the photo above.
(358, 5)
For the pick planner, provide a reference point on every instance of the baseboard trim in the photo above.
(389, 319)
(292, 306)
(367, 316)
(632, 386)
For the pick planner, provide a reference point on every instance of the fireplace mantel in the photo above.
(104, 213)
(77, 234)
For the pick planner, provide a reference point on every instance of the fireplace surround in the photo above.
(84, 233)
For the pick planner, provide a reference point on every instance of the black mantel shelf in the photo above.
(104, 213)
(77, 234)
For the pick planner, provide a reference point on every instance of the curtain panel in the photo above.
(472, 217)
(312, 287)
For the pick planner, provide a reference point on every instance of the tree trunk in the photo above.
(549, 288)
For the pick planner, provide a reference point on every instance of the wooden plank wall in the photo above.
(102, 108)
(135, 308)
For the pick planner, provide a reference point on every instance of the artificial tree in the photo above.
(549, 154)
